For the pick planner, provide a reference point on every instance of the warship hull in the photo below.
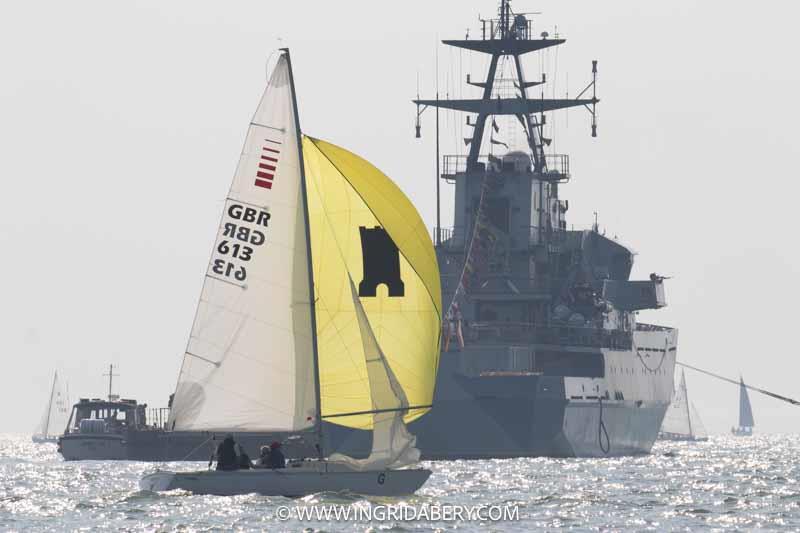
(513, 412)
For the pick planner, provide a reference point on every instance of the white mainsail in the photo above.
(698, 427)
(682, 422)
(56, 414)
(249, 360)
(676, 420)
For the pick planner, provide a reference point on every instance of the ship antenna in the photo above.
(111, 375)
(593, 102)
(438, 174)
(594, 98)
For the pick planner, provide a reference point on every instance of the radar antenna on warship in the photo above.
(542, 352)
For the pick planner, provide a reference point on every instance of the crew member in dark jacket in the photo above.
(226, 454)
(276, 458)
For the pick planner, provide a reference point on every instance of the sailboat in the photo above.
(746, 422)
(54, 419)
(321, 301)
(682, 422)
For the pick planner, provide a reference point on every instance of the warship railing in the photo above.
(455, 239)
(553, 335)
(538, 236)
(556, 166)
(509, 284)
(157, 417)
(451, 238)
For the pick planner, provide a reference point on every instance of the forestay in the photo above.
(249, 360)
(365, 229)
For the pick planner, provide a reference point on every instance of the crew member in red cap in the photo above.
(276, 458)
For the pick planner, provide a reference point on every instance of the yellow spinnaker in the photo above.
(351, 203)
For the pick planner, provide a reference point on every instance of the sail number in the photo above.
(227, 269)
(238, 251)
(239, 239)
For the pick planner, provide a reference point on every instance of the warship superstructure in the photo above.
(545, 355)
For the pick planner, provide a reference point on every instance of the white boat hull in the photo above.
(297, 481)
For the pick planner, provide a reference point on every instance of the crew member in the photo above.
(263, 460)
(276, 458)
(226, 454)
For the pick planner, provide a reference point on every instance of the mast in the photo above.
(303, 190)
(686, 398)
(110, 375)
(50, 405)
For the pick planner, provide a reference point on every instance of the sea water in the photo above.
(725, 483)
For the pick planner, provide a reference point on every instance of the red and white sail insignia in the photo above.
(269, 161)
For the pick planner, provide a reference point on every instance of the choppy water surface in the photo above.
(726, 483)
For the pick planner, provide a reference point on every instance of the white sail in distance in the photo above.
(676, 419)
(698, 428)
(56, 414)
(249, 364)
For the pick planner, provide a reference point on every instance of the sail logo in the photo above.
(265, 175)
(381, 261)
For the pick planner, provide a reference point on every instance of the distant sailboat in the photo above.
(746, 422)
(54, 419)
(321, 300)
(682, 422)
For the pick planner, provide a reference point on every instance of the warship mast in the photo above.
(509, 35)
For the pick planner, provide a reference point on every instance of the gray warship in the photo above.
(546, 356)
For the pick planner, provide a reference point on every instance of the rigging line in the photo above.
(660, 364)
(378, 411)
(756, 389)
(601, 431)
(198, 447)
(553, 134)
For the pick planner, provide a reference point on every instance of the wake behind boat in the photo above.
(284, 336)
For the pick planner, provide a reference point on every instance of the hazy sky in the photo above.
(121, 124)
